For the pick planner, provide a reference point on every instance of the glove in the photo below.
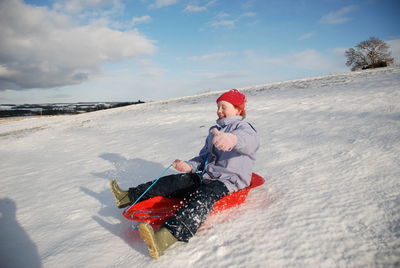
(223, 141)
(182, 166)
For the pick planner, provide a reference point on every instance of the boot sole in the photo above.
(147, 235)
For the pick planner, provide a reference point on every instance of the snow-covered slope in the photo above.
(330, 153)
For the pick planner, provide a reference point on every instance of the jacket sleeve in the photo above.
(248, 141)
(200, 160)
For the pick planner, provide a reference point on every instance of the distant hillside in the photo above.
(10, 110)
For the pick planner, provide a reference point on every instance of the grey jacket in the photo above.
(233, 168)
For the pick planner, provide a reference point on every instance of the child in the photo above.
(226, 162)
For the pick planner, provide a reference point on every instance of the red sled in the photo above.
(155, 211)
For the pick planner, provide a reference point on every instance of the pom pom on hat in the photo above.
(233, 96)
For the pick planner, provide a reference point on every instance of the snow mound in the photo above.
(330, 153)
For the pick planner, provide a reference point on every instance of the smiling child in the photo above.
(223, 166)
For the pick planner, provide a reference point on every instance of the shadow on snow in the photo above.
(128, 173)
(16, 248)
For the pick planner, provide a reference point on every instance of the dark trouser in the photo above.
(201, 198)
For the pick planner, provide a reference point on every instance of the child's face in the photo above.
(226, 109)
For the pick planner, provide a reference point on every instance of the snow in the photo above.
(330, 154)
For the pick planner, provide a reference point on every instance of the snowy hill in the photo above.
(330, 153)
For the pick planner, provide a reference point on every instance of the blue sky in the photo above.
(116, 50)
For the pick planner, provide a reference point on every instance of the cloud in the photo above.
(195, 8)
(337, 17)
(306, 36)
(199, 8)
(212, 56)
(223, 21)
(77, 6)
(150, 69)
(308, 59)
(42, 48)
(339, 51)
(248, 14)
(122, 25)
(248, 4)
(142, 19)
(222, 15)
(163, 3)
(95, 12)
(222, 75)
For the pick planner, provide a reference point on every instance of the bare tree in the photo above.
(372, 53)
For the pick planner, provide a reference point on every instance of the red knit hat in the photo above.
(233, 96)
(236, 98)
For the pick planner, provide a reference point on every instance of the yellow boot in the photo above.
(157, 242)
(122, 198)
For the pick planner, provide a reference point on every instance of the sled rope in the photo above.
(200, 173)
(148, 188)
(140, 197)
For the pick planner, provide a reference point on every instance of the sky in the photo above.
(129, 50)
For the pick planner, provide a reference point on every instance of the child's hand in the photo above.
(223, 141)
(182, 166)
